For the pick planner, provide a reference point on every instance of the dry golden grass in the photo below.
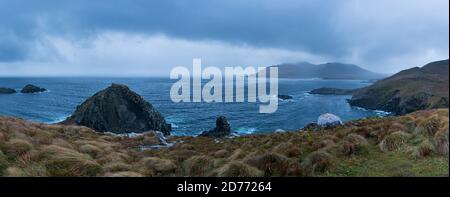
(238, 169)
(158, 167)
(34, 149)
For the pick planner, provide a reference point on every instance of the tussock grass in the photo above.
(61, 161)
(16, 147)
(272, 164)
(238, 169)
(123, 174)
(159, 167)
(354, 144)
(394, 141)
(318, 162)
(198, 166)
(441, 141)
(412, 145)
(423, 150)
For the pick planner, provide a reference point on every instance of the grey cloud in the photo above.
(333, 29)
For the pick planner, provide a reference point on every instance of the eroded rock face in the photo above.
(32, 89)
(7, 91)
(222, 129)
(329, 120)
(117, 109)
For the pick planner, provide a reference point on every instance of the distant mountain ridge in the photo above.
(332, 70)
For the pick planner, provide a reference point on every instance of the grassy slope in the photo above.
(411, 87)
(412, 145)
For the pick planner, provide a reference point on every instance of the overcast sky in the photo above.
(130, 38)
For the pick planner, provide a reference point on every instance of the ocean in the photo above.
(64, 94)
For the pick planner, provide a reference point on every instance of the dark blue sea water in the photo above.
(187, 118)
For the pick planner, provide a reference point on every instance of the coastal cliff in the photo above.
(405, 92)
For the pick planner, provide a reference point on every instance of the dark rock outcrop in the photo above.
(408, 91)
(222, 129)
(32, 89)
(7, 91)
(284, 97)
(332, 91)
(117, 109)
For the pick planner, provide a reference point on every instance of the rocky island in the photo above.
(32, 89)
(117, 109)
(7, 91)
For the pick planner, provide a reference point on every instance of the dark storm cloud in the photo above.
(371, 30)
(290, 24)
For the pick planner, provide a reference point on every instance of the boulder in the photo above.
(222, 129)
(32, 89)
(7, 91)
(117, 109)
(329, 120)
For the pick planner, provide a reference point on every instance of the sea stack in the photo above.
(32, 89)
(117, 109)
(222, 129)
